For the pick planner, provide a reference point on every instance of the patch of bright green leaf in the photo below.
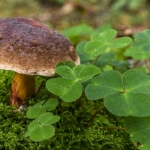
(108, 82)
(107, 67)
(140, 82)
(142, 40)
(75, 33)
(105, 36)
(41, 107)
(142, 69)
(41, 128)
(72, 93)
(128, 104)
(78, 30)
(140, 47)
(105, 59)
(66, 63)
(120, 65)
(102, 28)
(42, 132)
(120, 42)
(84, 57)
(123, 96)
(101, 42)
(66, 72)
(68, 87)
(58, 85)
(84, 73)
(139, 130)
(136, 53)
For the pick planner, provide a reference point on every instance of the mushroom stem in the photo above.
(23, 86)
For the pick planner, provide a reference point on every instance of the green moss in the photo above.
(72, 132)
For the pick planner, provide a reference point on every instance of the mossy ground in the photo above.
(73, 131)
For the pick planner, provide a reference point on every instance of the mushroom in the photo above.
(31, 48)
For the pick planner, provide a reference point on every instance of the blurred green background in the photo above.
(127, 16)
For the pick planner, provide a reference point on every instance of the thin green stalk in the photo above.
(93, 63)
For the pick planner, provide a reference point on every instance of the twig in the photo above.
(92, 118)
(90, 104)
(79, 102)
(59, 106)
(39, 87)
(113, 128)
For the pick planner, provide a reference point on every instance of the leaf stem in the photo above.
(39, 87)
(59, 107)
(79, 102)
(95, 60)
(90, 104)
(92, 118)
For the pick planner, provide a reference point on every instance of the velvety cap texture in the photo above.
(30, 47)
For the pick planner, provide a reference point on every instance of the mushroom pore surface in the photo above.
(29, 47)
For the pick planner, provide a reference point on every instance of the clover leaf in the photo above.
(140, 47)
(41, 107)
(66, 63)
(67, 90)
(104, 84)
(126, 95)
(142, 40)
(86, 58)
(136, 53)
(139, 129)
(41, 128)
(69, 86)
(101, 42)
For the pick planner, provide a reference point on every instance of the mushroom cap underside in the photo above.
(30, 47)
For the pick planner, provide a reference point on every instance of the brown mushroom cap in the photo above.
(29, 47)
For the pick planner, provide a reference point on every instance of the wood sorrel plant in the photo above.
(125, 93)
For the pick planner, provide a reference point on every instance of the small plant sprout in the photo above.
(41, 128)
